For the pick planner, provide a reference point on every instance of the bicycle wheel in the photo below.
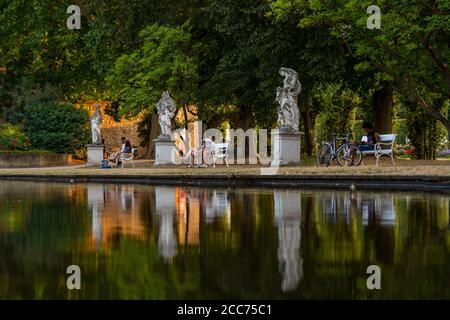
(325, 156)
(348, 155)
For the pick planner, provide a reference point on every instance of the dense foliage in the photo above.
(12, 137)
(163, 63)
(58, 127)
(223, 57)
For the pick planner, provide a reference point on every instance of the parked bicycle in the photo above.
(346, 155)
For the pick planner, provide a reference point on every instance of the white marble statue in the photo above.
(166, 111)
(288, 113)
(96, 122)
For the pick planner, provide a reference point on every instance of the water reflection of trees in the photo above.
(155, 242)
(115, 213)
(225, 225)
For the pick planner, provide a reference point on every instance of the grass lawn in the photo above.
(145, 167)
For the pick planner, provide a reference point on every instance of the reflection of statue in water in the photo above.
(166, 111)
(288, 220)
(288, 113)
(165, 199)
(167, 245)
(96, 196)
(291, 264)
(96, 122)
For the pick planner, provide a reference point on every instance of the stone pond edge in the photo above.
(366, 182)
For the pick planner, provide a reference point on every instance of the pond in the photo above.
(155, 242)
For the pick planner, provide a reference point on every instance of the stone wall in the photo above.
(33, 160)
(113, 130)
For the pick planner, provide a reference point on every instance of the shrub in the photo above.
(425, 132)
(337, 111)
(28, 151)
(56, 126)
(12, 137)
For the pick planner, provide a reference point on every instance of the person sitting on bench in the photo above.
(373, 137)
(115, 157)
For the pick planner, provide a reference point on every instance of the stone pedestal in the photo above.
(164, 152)
(95, 154)
(285, 148)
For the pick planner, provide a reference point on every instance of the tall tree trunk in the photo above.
(383, 102)
(155, 131)
(185, 115)
(308, 118)
(246, 119)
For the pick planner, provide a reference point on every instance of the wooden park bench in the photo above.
(383, 148)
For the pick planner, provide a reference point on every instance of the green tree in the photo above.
(244, 47)
(425, 133)
(163, 63)
(37, 43)
(57, 126)
(12, 137)
(410, 48)
(338, 110)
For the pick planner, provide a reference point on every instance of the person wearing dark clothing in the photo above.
(373, 137)
(127, 148)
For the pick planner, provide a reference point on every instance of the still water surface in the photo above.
(145, 242)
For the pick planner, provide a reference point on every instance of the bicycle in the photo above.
(346, 155)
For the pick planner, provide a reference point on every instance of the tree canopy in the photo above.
(223, 56)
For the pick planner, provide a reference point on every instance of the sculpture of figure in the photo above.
(288, 113)
(96, 122)
(166, 111)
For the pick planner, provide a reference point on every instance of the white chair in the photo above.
(128, 157)
(219, 151)
(384, 147)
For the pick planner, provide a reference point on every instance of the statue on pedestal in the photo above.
(166, 111)
(96, 122)
(288, 113)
